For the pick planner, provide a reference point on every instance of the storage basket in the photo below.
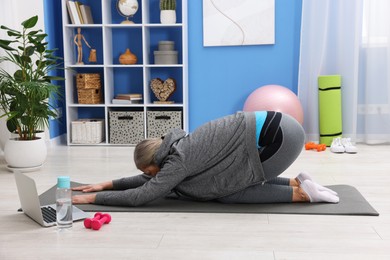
(88, 81)
(126, 127)
(88, 131)
(160, 123)
(89, 96)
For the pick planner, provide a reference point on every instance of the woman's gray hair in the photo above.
(144, 152)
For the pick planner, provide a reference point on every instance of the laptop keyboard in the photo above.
(49, 214)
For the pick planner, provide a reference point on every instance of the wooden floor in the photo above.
(203, 236)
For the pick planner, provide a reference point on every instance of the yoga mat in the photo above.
(329, 105)
(351, 203)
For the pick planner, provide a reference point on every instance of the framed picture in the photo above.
(235, 23)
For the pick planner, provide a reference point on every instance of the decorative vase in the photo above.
(127, 58)
(25, 153)
(168, 16)
(92, 56)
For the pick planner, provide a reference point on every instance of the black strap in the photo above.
(326, 89)
(330, 135)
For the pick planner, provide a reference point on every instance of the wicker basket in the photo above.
(88, 81)
(89, 96)
(88, 131)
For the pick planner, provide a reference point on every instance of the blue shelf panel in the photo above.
(126, 38)
(128, 80)
(94, 37)
(91, 112)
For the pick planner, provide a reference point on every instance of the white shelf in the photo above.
(110, 39)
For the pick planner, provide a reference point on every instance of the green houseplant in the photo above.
(167, 4)
(168, 11)
(24, 94)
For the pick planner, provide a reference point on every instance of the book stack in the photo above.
(130, 98)
(79, 13)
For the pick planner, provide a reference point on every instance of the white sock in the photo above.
(316, 195)
(304, 176)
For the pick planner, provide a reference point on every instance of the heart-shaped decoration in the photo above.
(163, 89)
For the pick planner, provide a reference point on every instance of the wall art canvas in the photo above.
(244, 22)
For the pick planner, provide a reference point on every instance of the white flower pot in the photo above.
(168, 16)
(25, 153)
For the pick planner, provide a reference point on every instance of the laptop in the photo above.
(45, 215)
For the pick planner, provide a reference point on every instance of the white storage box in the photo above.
(88, 131)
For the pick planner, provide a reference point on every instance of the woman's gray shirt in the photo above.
(217, 159)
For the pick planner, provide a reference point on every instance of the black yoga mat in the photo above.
(351, 203)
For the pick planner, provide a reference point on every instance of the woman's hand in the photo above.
(94, 187)
(84, 199)
(90, 198)
(89, 188)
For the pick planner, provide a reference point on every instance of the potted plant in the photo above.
(24, 94)
(168, 11)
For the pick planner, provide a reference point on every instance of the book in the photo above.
(70, 12)
(129, 96)
(86, 14)
(126, 101)
(79, 12)
(74, 13)
(120, 101)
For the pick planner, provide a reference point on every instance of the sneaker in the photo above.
(348, 146)
(337, 146)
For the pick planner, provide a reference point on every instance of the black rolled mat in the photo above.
(351, 203)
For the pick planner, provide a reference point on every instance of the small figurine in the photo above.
(78, 38)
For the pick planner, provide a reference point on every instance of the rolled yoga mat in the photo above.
(329, 104)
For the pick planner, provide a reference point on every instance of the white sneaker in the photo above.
(348, 146)
(337, 146)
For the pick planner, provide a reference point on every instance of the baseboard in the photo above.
(57, 141)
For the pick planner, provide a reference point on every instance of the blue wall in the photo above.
(53, 27)
(221, 78)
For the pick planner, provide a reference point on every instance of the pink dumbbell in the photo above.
(96, 224)
(88, 221)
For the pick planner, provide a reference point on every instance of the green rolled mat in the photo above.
(329, 104)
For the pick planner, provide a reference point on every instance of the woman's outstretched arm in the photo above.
(119, 184)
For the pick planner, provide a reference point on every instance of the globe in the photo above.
(127, 8)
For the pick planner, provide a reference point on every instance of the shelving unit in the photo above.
(111, 38)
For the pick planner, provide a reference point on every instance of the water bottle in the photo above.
(64, 203)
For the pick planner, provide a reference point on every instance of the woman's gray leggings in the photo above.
(276, 189)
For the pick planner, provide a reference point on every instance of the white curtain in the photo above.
(12, 13)
(8, 8)
(350, 38)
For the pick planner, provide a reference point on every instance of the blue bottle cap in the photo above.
(63, 182)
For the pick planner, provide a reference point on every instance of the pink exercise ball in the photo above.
(275, 98)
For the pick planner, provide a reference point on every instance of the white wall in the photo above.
(12, 13)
